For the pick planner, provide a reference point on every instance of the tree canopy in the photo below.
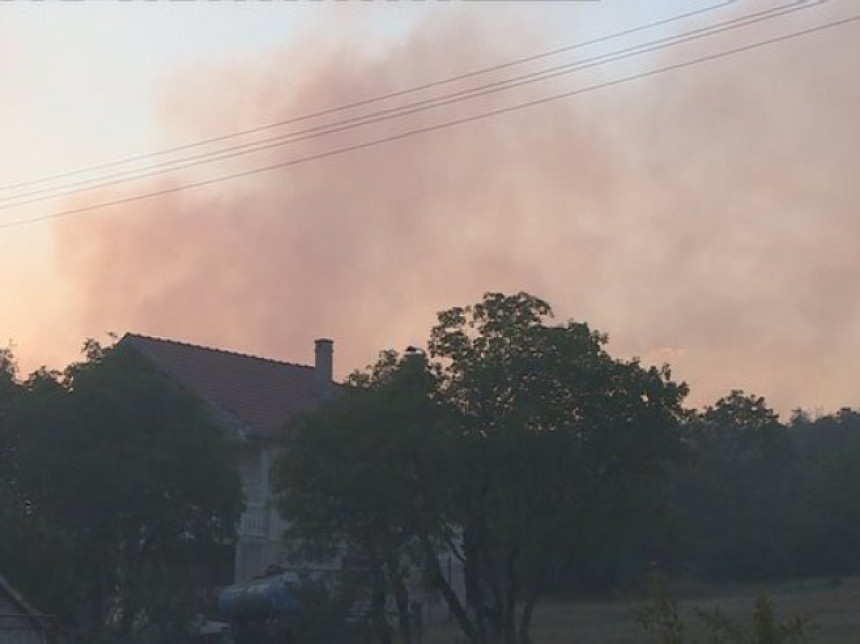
(135, 485)
(360, 479)
(559, 441)
(515, 446)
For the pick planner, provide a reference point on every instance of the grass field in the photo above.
(833, 607)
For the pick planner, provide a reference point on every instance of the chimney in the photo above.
(323, 366)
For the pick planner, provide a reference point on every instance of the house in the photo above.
(20, 623)
(253, 398)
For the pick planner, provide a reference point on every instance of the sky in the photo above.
(705, 215)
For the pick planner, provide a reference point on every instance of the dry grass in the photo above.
(832, 606)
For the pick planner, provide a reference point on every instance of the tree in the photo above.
(558, 443)
(739, 496)
(133, 472)
(517, 449)
(828, 450)
(34, 554)
(362, 476)
(10, 396)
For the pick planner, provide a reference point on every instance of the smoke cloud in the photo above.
(706, 217)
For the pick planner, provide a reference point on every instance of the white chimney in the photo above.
(323, 366)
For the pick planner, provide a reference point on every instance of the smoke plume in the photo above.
(706, 217)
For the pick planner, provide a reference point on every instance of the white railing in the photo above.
(253, 522)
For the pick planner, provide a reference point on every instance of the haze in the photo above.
(706, 217)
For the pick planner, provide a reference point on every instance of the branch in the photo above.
(438, 579)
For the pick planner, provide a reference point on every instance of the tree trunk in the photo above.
(526, 618)
(474, 595)
(129, 614)
(491, 583)
(509, 614)
(401, 598)
(450, 597)
(378, 618)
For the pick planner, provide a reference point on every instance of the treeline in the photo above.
(516, 446)
(544, 466)
(118, 498)
(762, 500)
(751, 499)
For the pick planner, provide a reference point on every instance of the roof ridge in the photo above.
(141, 336)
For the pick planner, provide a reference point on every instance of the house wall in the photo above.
(260, 529)
(260, 542)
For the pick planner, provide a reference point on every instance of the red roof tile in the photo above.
(261, 393)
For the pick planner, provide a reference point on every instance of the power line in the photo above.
(374, 117)
(376, 99)
(398, 112)
(438, 126)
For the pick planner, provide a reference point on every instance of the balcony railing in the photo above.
(253, 522)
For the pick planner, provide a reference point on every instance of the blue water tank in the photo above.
(258, 599)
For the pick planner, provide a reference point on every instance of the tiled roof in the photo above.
(260, 393)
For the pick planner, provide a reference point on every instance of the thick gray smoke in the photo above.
(707, 217)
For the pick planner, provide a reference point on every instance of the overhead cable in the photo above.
(400, 111)
(439, 126)
(375, 99)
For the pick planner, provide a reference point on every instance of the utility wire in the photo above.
(398, 112)
(376, 99)
(439, 126)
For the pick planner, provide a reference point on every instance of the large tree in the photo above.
(133, 474)
(559, 445)
(362, 477)
(520, 447)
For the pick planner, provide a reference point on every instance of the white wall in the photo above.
(260, 529)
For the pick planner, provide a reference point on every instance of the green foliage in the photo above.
(764, 629)
(10, 397)
(545, 464)
(736, 499)
(331, 479)
(35, 554)
(363, 474)
(661, 618)
(560, 444)
(760, 500)
(129, 478)
(829, 531)
(519, 449)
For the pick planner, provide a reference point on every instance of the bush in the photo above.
(661, 618)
